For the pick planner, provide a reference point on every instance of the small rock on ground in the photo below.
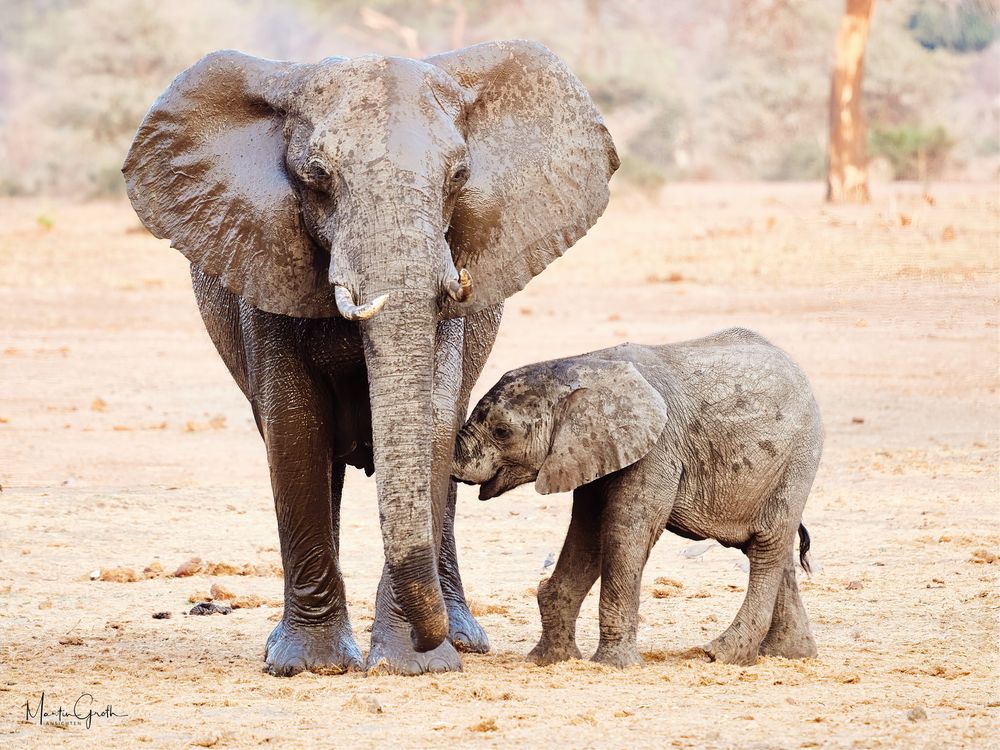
(210, 608)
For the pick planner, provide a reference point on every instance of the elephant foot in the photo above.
(464, 632)
(393, 653)
(547, 652)
(789, 644)
(789, 635)
(620, 654)
(324, 649)
(729, 648)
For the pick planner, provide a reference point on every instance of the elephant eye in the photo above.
(501, 431)
(317, 172)
(460, 175)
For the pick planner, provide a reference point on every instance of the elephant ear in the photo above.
(541, 159)
(206, 170)
(610, 421)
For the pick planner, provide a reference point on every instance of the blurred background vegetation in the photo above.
(715, 89)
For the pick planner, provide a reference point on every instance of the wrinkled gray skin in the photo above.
(714, 438)
(327, 210)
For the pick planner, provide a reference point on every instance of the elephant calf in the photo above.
(717, 438)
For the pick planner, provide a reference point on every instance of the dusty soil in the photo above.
(123, 443)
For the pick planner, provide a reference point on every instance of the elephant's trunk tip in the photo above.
(350, 310)
(423, 605)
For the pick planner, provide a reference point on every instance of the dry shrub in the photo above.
(118, 575)
(666, 587)
(983, 557)
(478, 609)
(657, 656)
(196, 566)
(664, 581)
(189, 568)
(486, 725)
(218, 591)
(247, 601)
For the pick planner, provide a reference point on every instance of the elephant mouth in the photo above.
(491, 487)
(505, 479)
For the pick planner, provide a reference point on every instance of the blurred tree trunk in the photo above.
(593, 51)
(847, 154)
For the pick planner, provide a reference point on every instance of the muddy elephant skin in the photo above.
(716, 438)
(353, 227)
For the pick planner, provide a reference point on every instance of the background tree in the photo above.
(713, 90)
(847, 153)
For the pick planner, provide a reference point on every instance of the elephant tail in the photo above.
(804, 544)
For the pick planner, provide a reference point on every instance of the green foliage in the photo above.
(969, 27)
(914, 152)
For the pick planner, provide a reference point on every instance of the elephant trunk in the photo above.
(399, 351)
(470, 464)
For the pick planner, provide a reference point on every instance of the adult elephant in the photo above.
(326, 210)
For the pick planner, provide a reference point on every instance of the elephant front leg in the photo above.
(464, 631)
(392, 647)
(560, 597)
(315, 632)
(639, 502)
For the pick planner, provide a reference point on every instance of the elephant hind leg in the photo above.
(789, 635)
(772, 594)
(740, 643)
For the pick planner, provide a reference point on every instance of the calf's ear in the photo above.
(610, 420)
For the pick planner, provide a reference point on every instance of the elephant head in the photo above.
(560, 424)
(379, 189)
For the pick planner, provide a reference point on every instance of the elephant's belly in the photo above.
(725, 508)
(351, 420)
(334, 348)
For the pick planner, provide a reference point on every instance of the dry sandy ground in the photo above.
(123, 442)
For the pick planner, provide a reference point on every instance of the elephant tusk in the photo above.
(461, 290)
(351, 311)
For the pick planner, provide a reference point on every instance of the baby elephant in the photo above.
(716, 438)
